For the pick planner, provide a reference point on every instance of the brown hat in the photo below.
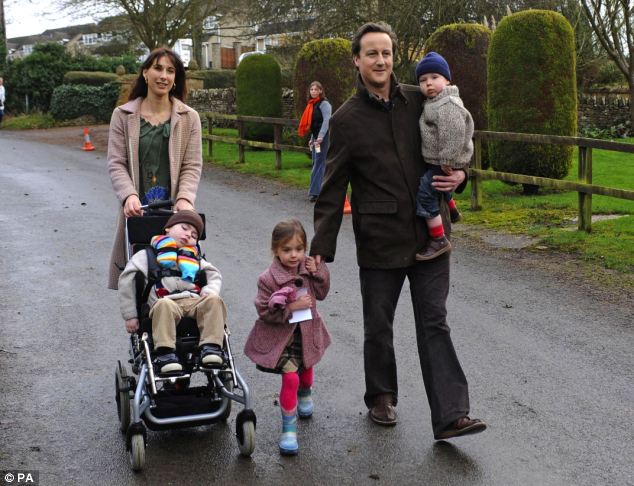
(187, 216)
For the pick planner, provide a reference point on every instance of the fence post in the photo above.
(476, 189)
(210, 145)
(585, 199)
(241, 135)
(277, 140)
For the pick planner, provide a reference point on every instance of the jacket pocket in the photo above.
(378, 207)
(262, 337)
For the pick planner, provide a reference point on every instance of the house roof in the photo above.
(299, 25)
(53, 35)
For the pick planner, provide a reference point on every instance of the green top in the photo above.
(154, 163)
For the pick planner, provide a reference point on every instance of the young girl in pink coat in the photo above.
(289, 336)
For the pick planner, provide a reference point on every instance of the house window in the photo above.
(89, 39)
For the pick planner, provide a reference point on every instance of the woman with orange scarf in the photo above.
(315, 121)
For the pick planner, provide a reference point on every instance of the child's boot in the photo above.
(435, 247)
(288, 440)
(305, 404)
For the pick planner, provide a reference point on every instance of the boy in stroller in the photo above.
(177, 293)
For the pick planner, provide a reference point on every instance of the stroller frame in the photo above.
(150, 400)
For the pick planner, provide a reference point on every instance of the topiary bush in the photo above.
(95, 78)
(328, 61)
(532, 89)
(74, 100)
(465, 47)
(259, 93)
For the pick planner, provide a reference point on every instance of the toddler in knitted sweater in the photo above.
(446, 131)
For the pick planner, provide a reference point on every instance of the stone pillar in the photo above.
(216, 60)
(237, 49)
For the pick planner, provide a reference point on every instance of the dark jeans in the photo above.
(427, 197)
(445, 383)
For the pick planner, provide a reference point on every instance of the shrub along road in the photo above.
(548, 360)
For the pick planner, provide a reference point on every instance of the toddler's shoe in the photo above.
(168, 363)
(305, 404)
(435, 247)
(454, 215)
(211, 354)
(288, 440)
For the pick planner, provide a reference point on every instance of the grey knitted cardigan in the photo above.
(446, 129)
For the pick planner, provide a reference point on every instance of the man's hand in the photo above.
(131, 325)
(449, 183)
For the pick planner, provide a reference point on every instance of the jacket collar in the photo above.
(450, 90)
(283, 276)
(396, 91)
(134, 106)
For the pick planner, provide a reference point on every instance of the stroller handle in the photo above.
(158, 204)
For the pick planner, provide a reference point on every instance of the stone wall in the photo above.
(604, 110)
(224, 101)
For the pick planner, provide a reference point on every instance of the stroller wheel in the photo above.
(122, 397)
(246, 443)
(137, 452)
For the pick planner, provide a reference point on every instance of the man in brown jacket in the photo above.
(375, 147)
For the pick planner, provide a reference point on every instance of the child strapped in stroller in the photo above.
(169, 298)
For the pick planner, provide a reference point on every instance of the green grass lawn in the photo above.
(25, 122)
(547, 216)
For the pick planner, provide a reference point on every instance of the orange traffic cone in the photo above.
(347, 209)
(87, 143)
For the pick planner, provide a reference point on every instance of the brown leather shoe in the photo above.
(435, 247)
(383, 411)
(462, 426)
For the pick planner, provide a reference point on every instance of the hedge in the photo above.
(215, 78)
(532, 89)
(95, 78)
(259, 93)
(465, 47)
(328, 61)
(74, 100)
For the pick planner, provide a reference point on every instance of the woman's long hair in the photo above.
(139, 89)
(319, 85)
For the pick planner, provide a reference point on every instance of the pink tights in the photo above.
(291, 382)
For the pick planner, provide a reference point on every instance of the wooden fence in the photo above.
(277, 146)
(583, 186)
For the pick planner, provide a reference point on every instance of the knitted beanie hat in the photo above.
(186, 216)
(433, 63)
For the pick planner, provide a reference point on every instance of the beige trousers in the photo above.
(209, 312)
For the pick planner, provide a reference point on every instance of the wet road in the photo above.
(550, 368)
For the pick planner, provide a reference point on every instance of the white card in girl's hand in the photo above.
(301, 315)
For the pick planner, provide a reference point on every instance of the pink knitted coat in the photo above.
(272, 331)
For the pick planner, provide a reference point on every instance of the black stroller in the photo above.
(146, 398)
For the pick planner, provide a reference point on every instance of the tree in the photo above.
(413, 22)
(3, 38)
(612, 22)
(156, 23)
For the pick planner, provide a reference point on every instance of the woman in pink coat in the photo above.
(289, 336)
(154, 146)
